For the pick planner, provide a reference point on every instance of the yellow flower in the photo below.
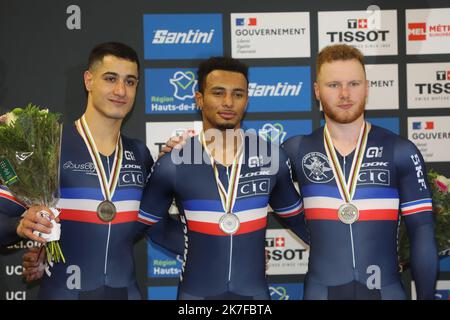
(10, 118)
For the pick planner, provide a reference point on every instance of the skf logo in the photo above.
(129, 155)
(419, 171)
(429, 125)
(417, 31)
(442, 75)
(246, 22)
(374, 152)
(357, 23)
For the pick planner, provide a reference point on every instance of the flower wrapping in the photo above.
(30, 145)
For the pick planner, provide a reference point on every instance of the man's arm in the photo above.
(168, 233)
(286, 202)
(155, 203)
(416, 209)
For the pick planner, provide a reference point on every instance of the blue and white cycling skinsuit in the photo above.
(99, 255)
(218, 265)
(359, 261)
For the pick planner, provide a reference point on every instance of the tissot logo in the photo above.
(428, 85)
(442, 75)
(433, 88)
(417, 31)
(437, 87)
(358, 36)
(372, 34)
(357, 23)
(275, 242)
(279, 242)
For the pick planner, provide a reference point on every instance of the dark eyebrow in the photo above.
(110, 73)
(222, 88)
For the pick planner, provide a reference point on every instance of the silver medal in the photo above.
(348, 213)
(229, 223)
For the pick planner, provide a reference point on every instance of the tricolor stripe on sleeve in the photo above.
(416, 206)
(147, 218)
(290, 211)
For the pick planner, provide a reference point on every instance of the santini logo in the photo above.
(281, 89)
(190, 37)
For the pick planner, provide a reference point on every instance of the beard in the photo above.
(343, 116)
(226, 126)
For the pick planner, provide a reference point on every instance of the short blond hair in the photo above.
(338, 52)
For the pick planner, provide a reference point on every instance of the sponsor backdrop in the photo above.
(44, 50)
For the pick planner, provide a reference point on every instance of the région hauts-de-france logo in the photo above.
(273, 132)
(184, 84)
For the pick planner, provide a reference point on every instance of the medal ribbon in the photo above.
(347, 189)
(228, 198)
(108, 186)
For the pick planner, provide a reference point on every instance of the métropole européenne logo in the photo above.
(276, 89)
(418, 31)
(170, 90)
(182, 36)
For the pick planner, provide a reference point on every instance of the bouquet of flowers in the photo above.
(440, 188)
(29, 163)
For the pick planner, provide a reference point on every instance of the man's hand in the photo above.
(33, 220)
(33, 264)
(176, 142)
